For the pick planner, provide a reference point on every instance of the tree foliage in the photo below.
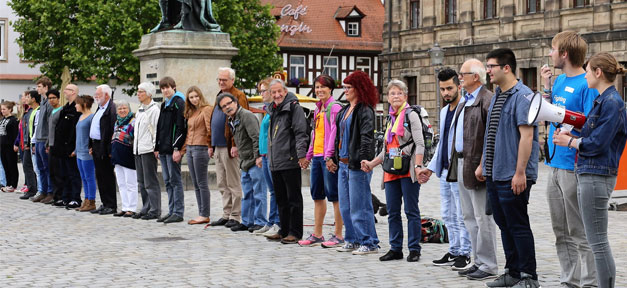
(94, 38)
(253, 30)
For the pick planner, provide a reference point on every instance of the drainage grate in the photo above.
(165, 239)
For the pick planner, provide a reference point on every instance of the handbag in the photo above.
(399, 165)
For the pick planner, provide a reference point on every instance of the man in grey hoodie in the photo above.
(43, 85)
(288, 143)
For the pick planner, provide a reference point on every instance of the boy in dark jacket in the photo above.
(171, 134)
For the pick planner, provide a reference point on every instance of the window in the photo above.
(412, 94)
(297, 66)
(352, 29)
(450, 10)
(530, 77)
(329, 65)
(363, 64)
(580, 3)
(414, 13)
(489, 9)
(3, 39)
(533, 6)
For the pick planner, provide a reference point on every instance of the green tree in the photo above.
(94, 38)
(253, 30)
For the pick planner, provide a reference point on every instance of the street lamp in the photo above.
(113, 81)
(437, 58)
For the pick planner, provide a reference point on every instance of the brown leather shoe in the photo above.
(82, 205)
(194, 221)
(289, 240)
(49, 199)
(91, 205)
(38, 198)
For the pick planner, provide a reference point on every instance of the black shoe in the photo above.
(97, 211)
(479, 275)
(172, 219)
(252, 229)
(119, 214)
(147, 216)
(72, 205)
(59, 203)
(107, 211)
(391, 255)
(414, 256)
(231, 223)
(161, 219)
(137, 216)
(447, 260)
(468, 271)
(239, 227)
(219, 222)
(26, 196)
(462, 263)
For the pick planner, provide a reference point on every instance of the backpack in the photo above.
(433, 231)
(427, 134)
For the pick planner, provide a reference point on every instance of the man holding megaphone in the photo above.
(570, 93)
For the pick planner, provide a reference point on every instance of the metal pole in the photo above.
(437, 98)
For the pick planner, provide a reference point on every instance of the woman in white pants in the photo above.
(123, 159)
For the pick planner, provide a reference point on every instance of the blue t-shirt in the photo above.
(218, 118)
(82, 138)
(447, 124)
(573, 94)
(345, 133)
(263, 134)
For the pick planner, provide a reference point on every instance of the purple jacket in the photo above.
(329, 130)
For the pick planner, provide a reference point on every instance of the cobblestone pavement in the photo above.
(41, 245)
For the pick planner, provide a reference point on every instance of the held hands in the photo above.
(423, 175)
(258, 162)
(176, 156)
(479, 174)
(303, 163)
(366, 166)
(15, 148)
(210, 151)
(331, 166)
(234, 152)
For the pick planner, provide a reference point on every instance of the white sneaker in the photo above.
(272, 231)
(363, 250)
(262, 230)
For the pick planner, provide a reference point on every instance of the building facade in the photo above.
(472, 28)
(334, 38)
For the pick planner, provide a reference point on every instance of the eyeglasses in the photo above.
(395, 94)
(491, 66)
(346, 87)
(226, 105)
(462, 74)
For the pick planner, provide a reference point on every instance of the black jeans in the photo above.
(105, 177)
(510, 214)
(29, 172)
(9, 162)
(66, 178)
(289, 199)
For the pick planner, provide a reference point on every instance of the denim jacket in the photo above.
(603, 135)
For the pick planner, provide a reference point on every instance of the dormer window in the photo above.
(350, 20)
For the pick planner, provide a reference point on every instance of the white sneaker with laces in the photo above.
(264, 229)
(363, 250)
(272, 231)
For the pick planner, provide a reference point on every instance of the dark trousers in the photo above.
(105, 177)
(9, 162)
(289, 199)
(510, 214)
(66, 178)
(29, 172)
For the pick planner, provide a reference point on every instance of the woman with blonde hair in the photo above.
(198, 114)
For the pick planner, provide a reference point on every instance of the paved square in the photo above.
(45, 246)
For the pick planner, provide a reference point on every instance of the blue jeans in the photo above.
(453, 217)
(510, 214)
(3, 177)
(254, 199)
(356, 206)
(36, 170)
(273, 214)
(171, 172)
(323, 183)
(44, 169)
(594, 193)
(396, 192)
(88, 176)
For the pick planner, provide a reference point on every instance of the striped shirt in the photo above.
(495, 117)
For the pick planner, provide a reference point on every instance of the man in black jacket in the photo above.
(100, 134)
(287, 148)
(67, 177)
(171, 134)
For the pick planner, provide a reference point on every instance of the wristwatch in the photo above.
(418, 166)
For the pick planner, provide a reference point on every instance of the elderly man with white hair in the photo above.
(468, 145)
(100, 133)
(227, 160)
(145, 130)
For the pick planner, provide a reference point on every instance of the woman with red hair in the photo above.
(354, 142)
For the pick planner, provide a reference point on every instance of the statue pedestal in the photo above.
(191, 58)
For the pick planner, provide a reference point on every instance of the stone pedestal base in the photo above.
(191, 58)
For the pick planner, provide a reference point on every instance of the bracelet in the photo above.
(547, 91)
(570, 142)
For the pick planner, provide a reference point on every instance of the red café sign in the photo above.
(297, 27)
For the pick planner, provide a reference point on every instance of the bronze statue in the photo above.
(192, 15)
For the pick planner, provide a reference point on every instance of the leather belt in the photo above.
(344, 160)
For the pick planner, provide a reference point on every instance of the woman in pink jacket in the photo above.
(321, 148)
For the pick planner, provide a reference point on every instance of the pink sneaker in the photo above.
(24, 189)
(333, 242)
(311, 241)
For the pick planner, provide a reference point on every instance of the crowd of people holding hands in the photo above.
(486, 161)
